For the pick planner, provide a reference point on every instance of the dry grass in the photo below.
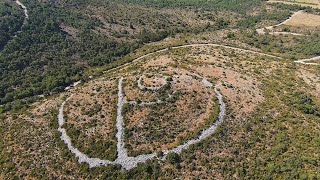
(163, 60)
(159, 127)
(90, 117)
(312, 79)
(304, 19)
(310, 3)
(70, 30)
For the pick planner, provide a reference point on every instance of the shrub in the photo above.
(173, 158)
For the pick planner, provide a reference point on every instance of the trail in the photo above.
(212, 45)
(204, 134)
(304, 61)
(141, 86)
(26, 15)
(192, 45)
(200, 45)
(93, 162)
(122, 156)
(25, 10)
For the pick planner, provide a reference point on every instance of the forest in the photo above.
(11, 21)
(239, 6)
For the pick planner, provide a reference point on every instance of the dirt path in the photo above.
(206, 133)
(26, 16)
(25, 10)
(67, 140)
(141, 86)
(305, 61)
(193, 45)
(210, 44)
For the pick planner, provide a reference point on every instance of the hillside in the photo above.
(148, 89)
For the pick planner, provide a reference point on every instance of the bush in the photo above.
(173, 158)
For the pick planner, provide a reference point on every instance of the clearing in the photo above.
(309, 3)
(304, 19)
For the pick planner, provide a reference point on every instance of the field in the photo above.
(304, 19)
(308, 3)
(299, 24)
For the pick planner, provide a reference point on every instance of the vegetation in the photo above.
(91, 123)
(58, 41)
(241, 6)
(292, 48)
(11, 21)
(183, 124)
(173, 158)
(43, 59)
(271, 126)
(305, 104)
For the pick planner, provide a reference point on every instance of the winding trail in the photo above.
(206, 133)
(192, 45)
(303, 61)
(26, 16)
(72, 85)
(67, 140)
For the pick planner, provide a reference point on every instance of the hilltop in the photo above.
(148, 89)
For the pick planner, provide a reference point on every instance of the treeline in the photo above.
(10, 22)
(238, 6)
(297, 48)
(275, 15)
(278, 13)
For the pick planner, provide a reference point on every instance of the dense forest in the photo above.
(11, 21)
(239, 6)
